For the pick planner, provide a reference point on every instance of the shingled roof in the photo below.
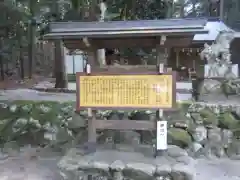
(72, 30)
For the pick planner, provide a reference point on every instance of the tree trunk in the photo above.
(1, 61)
(59, 59)
(221, 10)
(194, 9)
(92, 12)
(30, 51)
(169, 11)
(206, 8)
(31, 42)
(60, 69)
(182, 9)
(21, 59)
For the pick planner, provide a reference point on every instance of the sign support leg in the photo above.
(161, 135)
(92, 135)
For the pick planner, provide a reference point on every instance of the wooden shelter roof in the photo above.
(116, 29)
(117, 34)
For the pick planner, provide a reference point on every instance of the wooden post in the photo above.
(161, 139)
(74, 70)
(177, 58)
(101, 52)
(166, 55)
(194, 65)
(161, 136)
(92, 135)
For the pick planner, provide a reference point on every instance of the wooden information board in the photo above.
(125, 91)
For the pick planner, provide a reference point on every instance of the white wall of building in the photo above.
(74, 63)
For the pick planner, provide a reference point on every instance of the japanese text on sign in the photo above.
(128, 91)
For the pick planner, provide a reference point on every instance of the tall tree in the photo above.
(59, 65)
(231, 11)
(12, 25)
(32, 36)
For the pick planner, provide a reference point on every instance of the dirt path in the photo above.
(27, 94)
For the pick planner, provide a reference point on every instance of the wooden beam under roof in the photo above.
(178, 41)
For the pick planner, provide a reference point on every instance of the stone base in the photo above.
(212, 97)
(212, 90)
(174, 164)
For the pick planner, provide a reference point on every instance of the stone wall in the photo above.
(202, 131)
(37, 123)
(208, 131)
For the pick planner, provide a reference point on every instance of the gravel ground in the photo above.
(27, 165)
(224, 169)
(27, 94)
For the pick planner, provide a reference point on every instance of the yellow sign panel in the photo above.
(126, 91)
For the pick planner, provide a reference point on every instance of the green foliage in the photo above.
(45, 112)
(184, 106)
(137, 9)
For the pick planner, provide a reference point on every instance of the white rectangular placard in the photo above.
(161, 135)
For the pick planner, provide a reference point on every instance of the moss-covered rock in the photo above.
(28, 119)
(227, 121)
(197, 118)
(236, 132)
(184, 106)
(54, 123)
(179, 137)
(209, 117)
(179, 119)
